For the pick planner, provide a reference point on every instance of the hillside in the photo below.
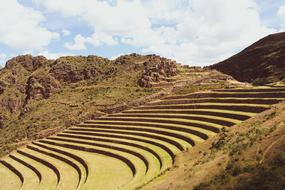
(249, 155)
(261, 63)
(39, 97)
(64, 115)
(170, 143)
(137, 122)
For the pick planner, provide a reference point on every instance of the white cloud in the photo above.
(101, 38)
(215, 29)
(3, 58)
(79, 43)
(281, 13)
(96, 39)
(196, 32)
(3, 55)
(281, 16)
(51, 55)
(65, 32)
(21, 27)
(115, 56)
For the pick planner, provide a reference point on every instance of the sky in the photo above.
(192, 32)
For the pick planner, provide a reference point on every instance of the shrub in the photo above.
(233, 168)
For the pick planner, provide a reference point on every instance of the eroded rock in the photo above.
(40, 86)
(13, 105)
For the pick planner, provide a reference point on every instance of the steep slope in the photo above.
(261, 63)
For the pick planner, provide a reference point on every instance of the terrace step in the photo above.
(98, 171)
(187, 122)
(48, 177)
(134, 146)
(73, 170)
(167, 141)
(169, 129)
(84, 170)
(275, 89)
(164, 155)
(218, 113)
(11, 179)
(30, 178)
(67, 177)
(219, 100)
(253, 108)
(147, 155)
(183, 134)
(134, 163)
(210, 119)
(230, 95)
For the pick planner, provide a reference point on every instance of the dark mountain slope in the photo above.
(261, 63)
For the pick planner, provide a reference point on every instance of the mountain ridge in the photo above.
(261, 63)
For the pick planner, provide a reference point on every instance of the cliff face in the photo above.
(261, 63)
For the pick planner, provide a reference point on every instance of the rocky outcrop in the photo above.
(127, 59)
(75, 69)
(40, 86)
(29, 62)
(65, 73)
(156, 68)
(13, 105)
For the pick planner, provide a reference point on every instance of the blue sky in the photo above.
(193, 32)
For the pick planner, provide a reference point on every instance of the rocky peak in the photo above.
(72, 69)
(128, 59)
(29, 62)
